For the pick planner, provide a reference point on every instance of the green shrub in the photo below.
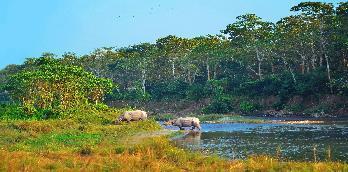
(120, 150)
(197, 92)
(168, 90)
(247, 107)
(12, 111)
(221, 103)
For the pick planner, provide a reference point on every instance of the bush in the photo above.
(312, 83)
(221, 104)
(12, 111)
(53, 85)
(169, 90)
(247, 107)
(197, 92)
(135, 94)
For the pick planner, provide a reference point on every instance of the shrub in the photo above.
(168, 90)
(221, 104)
(247, 107)
(197, 92)
(12, 111)
(53, 85)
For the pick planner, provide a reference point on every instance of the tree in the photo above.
(251, 35)
(173, 48)
(341, 32)
(53, 85)
(144, 53)
(293, 42)
(320, 17)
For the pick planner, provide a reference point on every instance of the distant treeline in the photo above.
(303, 54)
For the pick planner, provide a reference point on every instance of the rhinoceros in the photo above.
(128, 116)
(185, 122)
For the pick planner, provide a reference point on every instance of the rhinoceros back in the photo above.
(186, 122)
(134, 115)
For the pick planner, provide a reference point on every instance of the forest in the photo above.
(297, 63)
(66, 113)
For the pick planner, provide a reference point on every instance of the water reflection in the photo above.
(288, 142)
(192, 138)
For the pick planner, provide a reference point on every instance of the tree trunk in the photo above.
(215, 71)
(208, 71)
(303, 59)
(143, 77)
(321, 61)
(313, 57)
(328, 71)
(259, 63)
(173, 68)
(323, 49)
(303, 66)
(290, 69)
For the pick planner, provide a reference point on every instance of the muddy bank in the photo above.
(323, 106)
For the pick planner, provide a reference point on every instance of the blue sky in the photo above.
(29, 28)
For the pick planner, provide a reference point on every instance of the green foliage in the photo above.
(247, 107)
(221, 104)
(197, 92)
(9, 112)
(261, 87)
(302, 54)
(169, 90)
(312, 84)
(135, 94)
(53, 85)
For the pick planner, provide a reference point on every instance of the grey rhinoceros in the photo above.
(185, 122)
(128, 116)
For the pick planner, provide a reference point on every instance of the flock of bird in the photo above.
(151, 12)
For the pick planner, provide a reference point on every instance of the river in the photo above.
(300, 142)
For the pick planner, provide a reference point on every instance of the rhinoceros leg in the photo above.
(193, 125)
(196, 125)
(199, 127)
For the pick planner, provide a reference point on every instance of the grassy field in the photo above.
(67, 145)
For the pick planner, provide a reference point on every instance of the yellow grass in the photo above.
(70, 146)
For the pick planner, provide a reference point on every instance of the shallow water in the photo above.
(285, 141)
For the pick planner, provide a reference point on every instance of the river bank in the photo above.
(255, 119)
(313, 106)
(67, 145)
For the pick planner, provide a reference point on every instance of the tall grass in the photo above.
(155, 154)
(72, 145)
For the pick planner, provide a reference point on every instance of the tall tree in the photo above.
(320, 16)
(251, 35)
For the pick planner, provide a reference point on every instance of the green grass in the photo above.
(75, 145)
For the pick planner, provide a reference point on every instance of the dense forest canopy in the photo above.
(304, 54)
